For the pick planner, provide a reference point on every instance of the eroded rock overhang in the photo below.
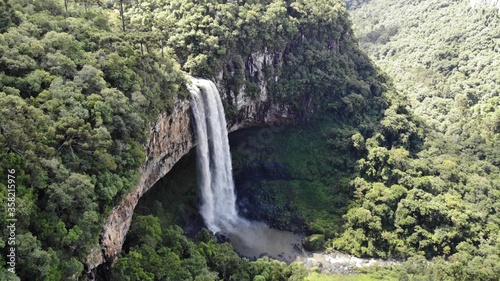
(171, 137)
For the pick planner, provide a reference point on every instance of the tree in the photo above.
(122, 16)
(7, 16)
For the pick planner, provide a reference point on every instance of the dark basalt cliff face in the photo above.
(171, 137)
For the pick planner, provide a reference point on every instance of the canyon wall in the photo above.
(171, 137)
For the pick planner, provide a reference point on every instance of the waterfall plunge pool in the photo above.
(177, 194)
(256, 239)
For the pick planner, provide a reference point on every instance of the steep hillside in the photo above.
(444, 57)
(81, 83)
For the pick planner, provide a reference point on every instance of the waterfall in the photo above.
(218, 207)
(213, 157)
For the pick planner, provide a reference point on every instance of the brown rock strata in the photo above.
(170, 138)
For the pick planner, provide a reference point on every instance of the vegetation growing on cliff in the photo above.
(441, 201)
(77, 95)
(75, 102)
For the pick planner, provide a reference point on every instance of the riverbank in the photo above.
(340, 263)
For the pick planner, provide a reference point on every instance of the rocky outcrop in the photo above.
(171, 137)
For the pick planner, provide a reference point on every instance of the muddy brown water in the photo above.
(256, 239)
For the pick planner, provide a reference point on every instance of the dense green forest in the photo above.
(81, 81)
(406, 170)
(75, 102)
(443, 201)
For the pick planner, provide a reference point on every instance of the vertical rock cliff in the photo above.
(171, 137)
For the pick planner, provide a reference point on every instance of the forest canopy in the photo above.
(81, 81)
(406, 170)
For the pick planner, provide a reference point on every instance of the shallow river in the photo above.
(257, 239)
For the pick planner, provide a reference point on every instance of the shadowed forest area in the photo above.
(397, 157)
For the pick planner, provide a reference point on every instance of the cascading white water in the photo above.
(214, 159)
(216, 181)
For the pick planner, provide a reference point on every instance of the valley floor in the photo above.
(341, 263)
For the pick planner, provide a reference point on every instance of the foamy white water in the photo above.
(216, 181)
(213, 157)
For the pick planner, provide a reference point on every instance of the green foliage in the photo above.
(387, 276)
(77, 94)
(449, 79)
(312, 58)
(314, 242)
(202, 259)
(131, 268)
(7, 16)
(418, 192)
(71, 129)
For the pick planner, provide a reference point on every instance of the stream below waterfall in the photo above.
(218, 198)
(179, 194)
